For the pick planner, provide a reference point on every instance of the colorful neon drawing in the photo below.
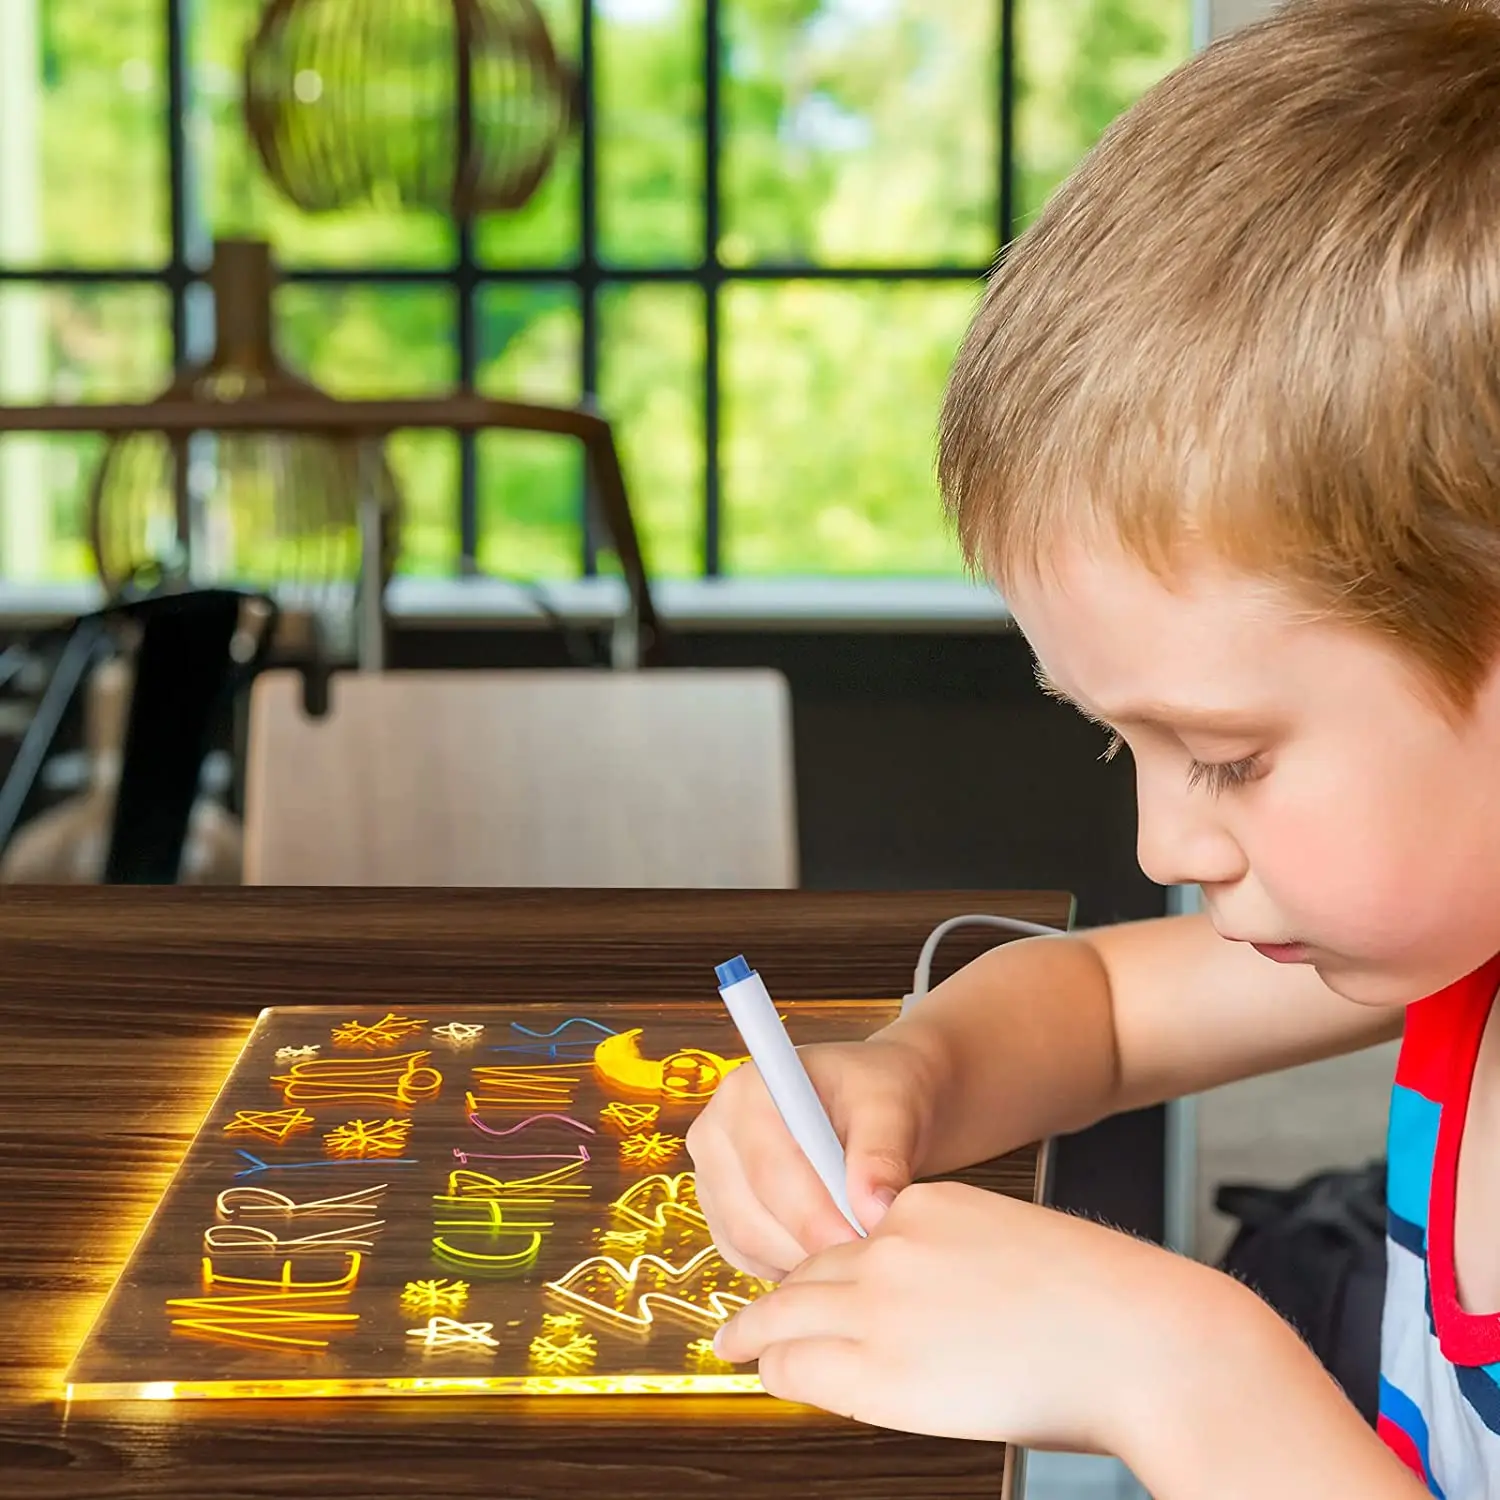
(628, 1118)
(484, 1129)
(630, 1296)
(523, 1086)
(443, 1333)
(361, 1080)
(650, 1151)
(546, 1186)
(296, 1054)
(439, 1296)
(689, 1074)
(622, 1241)
(460, 1033)
(385, 1032)
(274, 1124)
(562, 1026)
(259, 1200)
(368, 1138)
(283, 1313)
(491, 1222)
(229, 1238)
(578, 1154)
(701, 1357)
(653, 1200)
(257, 1166)
(562, 1348)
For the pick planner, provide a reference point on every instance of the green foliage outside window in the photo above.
(856, 134)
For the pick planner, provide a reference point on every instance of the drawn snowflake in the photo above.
(296, 1054)
(441, 1296)
(368, 1138)
(458, 1032)
(385, 1032)
(561, 1346)
(272, 1124)
(650, 1151)
(445, 1333)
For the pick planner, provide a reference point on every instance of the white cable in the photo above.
(922, 979)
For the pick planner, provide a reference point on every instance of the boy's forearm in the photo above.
(1240, 1409)
(1038, 1010)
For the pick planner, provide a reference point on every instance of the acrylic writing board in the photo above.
(477, 1199)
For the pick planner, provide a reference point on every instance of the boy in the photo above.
(1226, 433)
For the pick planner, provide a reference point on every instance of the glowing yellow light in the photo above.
(275, 1313)
(701, 1357)
(652, 1200)
(368, 1138)
(651, 1151)
(296, 1054)
(689, 1074)
(444, 1333)
(491, 1222)
(385, 1032)
(524, 1086)
(272, 1124)
(562, 1346)
(605, 1288)
(627, 1118)
(545, 1186)
(440, 1296)
(628, 1241)
(259, 1200)
(361, 1080)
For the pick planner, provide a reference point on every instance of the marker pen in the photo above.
(791, 1090)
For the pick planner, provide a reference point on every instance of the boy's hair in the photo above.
(1264, 316)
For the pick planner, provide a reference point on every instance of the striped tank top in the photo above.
(1440, 1366)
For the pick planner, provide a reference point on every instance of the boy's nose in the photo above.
(1179, 841)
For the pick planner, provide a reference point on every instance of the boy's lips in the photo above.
(1281, 953)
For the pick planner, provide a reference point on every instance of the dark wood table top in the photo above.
(92, 1126)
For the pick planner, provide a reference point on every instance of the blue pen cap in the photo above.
(732, 972)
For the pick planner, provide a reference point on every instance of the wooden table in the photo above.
(94, 981)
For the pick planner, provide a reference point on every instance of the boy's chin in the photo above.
(1372, 984)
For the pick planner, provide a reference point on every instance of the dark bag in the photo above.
(1316, 1253)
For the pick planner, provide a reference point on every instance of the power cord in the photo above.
(922, 978)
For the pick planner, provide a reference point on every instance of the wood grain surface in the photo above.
(98, 985)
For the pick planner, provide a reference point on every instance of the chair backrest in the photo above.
(576, 778)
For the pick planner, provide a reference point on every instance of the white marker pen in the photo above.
(786, 1079)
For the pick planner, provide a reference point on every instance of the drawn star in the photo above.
(296, 1054)
(700, 1354)
(627, 1118)
(445, 1333)
(631, 1241)
(441, 1296)
(458, 1032)
(272, 1124)
(650, 1151)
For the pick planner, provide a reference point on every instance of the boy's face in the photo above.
(1295, 770)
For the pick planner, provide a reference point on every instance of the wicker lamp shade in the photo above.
(252, 508)
(458, 106)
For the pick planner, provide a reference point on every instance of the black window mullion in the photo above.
(1006, 103)
(465, 280)
(178, 277)
(712, 279)
(588, 272)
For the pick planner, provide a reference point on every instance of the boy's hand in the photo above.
(971, 1315)
(767, 1209)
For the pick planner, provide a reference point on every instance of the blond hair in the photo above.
(1263, 317)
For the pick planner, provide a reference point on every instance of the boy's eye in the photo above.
(1220, 776)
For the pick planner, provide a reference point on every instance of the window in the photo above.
(759, 252)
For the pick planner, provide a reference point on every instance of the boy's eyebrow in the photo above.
(1158, 715)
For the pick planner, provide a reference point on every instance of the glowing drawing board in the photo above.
(460, 1199)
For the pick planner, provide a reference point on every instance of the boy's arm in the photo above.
(1047, 1035)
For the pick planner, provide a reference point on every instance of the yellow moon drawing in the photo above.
(689, 1074)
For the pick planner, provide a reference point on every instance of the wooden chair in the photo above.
(575, 778)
